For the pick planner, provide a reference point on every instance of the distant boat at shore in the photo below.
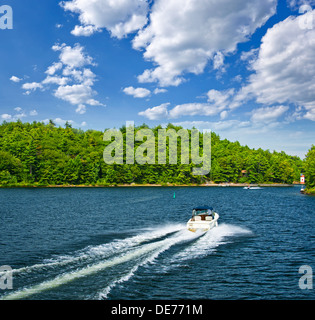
(252, 188)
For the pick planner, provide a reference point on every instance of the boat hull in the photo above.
(202, 225)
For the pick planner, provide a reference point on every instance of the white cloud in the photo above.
(19, 116)
(294, 4)
(61, 122)
(73, 79)
(218, 61)
(159, 90)
(223, 115)
(217, 103)
(75, 94)
(32, 86)
(221, 99)
(120, 17)
(61, 81)
(283, 72)
(81, 109)
(20, 113)
(184, 35)
(156, 113)
(15, 79)
(193, 109)
(84, 31)
(54, 68)
(33, 113)
(268, 114)
(73, 57)
(214, 125)
(6, 116)
(137, 92)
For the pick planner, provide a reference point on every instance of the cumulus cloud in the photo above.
(61, 81)
(84, 31)
(214, 125)
(120, 18)
(33, 113)
(159, 90)
(73, 57)
(53, 68)
(137, 92)
(15, 79)
(81, 109)
(194, 109)
(268, 114)
(75, 94)
(72, 76)
(283, 72)
(183, 35)
(6, 116)
(156, 113)
(32, 86)
(217, 103)
(294, 4)
(18, 113)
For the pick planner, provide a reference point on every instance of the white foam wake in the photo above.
(140, 251)
(184, 235)
(101, 251)
(210, 241)
(132, 253)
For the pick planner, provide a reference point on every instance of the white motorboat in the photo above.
(252, 188)
(203, 219)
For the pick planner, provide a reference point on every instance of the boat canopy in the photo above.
(202, 210)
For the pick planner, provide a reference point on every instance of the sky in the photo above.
(244, 69)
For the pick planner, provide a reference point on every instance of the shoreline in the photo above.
(155, 185)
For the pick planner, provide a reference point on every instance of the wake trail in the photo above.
(101, 251)
(133, 253)
(210, 241)
(182, 236)
(140, 250)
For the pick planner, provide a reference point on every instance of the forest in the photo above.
(38, 154)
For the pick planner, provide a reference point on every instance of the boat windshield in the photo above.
(201, 212)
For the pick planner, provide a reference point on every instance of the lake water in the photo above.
(132, 243)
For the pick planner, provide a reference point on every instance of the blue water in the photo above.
(131, 243)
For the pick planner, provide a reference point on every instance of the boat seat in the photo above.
(197, 218)
(208, 218)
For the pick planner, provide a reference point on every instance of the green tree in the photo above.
(310, 168)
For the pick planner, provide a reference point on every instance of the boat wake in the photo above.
(123, 256)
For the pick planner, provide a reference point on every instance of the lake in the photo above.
(132, 243)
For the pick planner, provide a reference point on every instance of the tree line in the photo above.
(44, 154)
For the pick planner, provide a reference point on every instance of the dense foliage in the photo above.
(310, 169)
(39, 154)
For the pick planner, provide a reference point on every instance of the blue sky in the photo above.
(244, 69)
